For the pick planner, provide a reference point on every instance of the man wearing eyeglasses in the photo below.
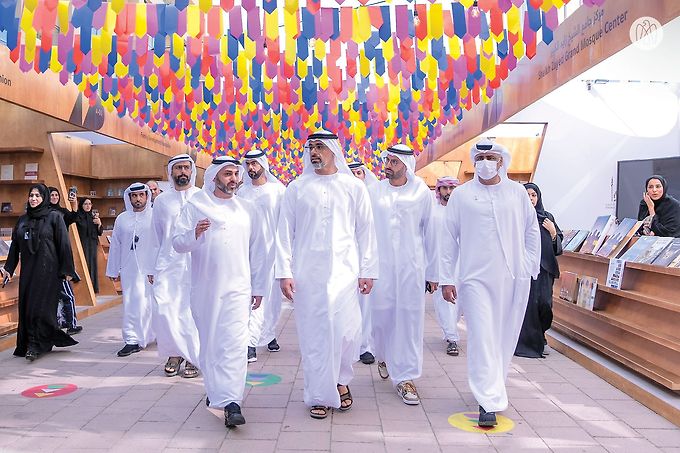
(491, 231)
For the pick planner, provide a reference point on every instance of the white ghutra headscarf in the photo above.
(331, 141)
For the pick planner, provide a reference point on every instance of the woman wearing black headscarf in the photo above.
(89, 230)
(40, 241)
(538, 317)
(659, 212)
(55, 204)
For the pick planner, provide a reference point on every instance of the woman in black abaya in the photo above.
(538, 316)
(40, 241)
(89, 230)
(659, 212)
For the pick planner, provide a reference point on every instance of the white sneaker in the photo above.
(408, 392)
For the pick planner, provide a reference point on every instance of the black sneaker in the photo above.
(31, 355)
(129, 349)
(273, 346)
(486, 418)
(74, 330)
(252, 354)
(452, 348)
(367, 358)
(233, 416)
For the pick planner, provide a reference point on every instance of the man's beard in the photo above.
(255, 175)
(181, 180)
(318, 165)
(446, 197)
(224, 188)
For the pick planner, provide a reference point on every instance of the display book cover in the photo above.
(654, 250)
(568, 286)
(587, 288)
(620, 236)
(669, 254)
(4, 247)
(598, 233)
(7, 172)
(568, 236)
(576, 241)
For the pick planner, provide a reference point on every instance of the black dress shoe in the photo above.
(74, 330)
(233, 416)
(367, 358)
(486, 418)
(31, 355)
(129, 349)
(207, 401)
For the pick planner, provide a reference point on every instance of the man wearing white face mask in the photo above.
(491, 231)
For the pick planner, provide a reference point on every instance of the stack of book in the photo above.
(598, 233)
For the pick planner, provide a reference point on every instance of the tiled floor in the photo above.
(128, 405)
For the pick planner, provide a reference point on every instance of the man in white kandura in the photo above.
(492, 233)
(224, 235)
(402, 208)
(447, 314)
(265, 191)
(175, 329)
(326, 255)
(366, 347)
(131, 259)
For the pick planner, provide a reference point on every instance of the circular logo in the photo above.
(646, 33)
(467, 421)
(49, 391)
(262, 380)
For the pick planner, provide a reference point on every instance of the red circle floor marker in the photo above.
(49, 390)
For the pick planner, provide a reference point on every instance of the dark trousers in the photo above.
(67, 305)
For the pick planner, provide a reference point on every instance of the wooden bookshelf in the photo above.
(635, 325)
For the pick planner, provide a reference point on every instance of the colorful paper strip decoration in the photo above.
(226, 78)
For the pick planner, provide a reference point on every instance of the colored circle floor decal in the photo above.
(467, 421)
(262, 380)
(49, 390)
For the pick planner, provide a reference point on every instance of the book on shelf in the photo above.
(620, 236)
(112, 211)
(576, 241)
(598, 233)
(642, 244)
(675, 263)
(654, 250)
(4, 247)
(568, 236)
(568, 286)
(31, 171)
(7, 172)
(587, 288)
(671, 252)
(6, 207)
(615, 273)
(5, 231)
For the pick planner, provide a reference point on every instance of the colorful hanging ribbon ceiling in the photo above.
(226, 78)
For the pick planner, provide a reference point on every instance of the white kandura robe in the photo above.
(175, 329)
(326, 241)
(407, 256)
(492, 233)
(133, 261)
(228, 267)
(267, 198)
(447, 314)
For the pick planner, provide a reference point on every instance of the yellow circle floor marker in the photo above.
(467, 421)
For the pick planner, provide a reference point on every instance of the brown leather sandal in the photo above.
(344, 398)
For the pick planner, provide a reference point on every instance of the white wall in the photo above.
(589, 131)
